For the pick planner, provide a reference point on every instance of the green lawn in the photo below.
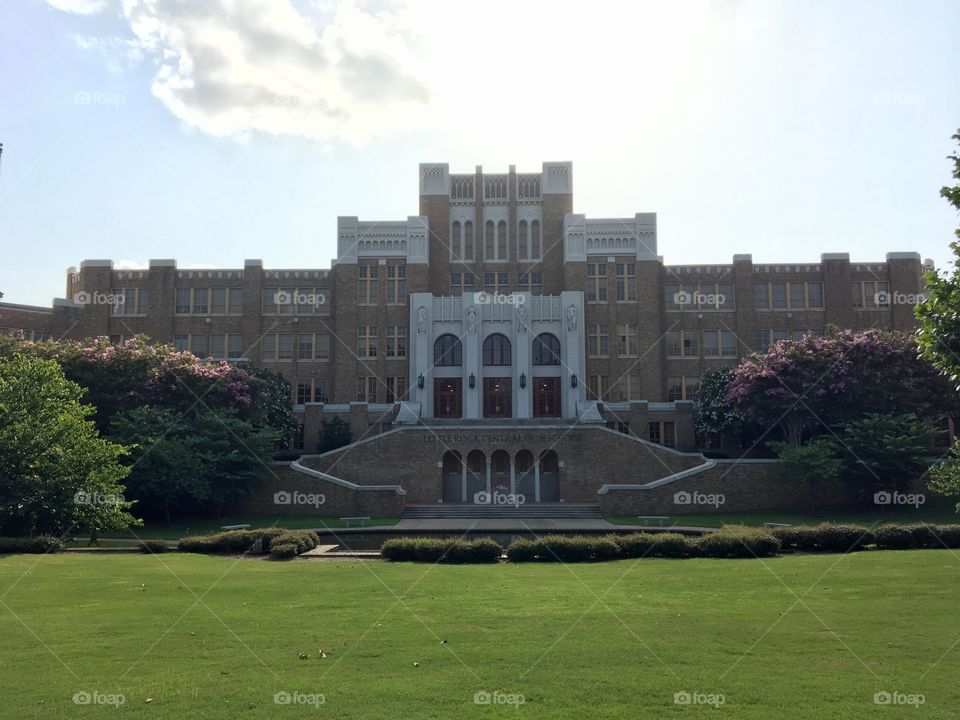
(218, 638)
(935, 510)
(199, 526)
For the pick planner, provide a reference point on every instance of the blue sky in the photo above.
(214, 131)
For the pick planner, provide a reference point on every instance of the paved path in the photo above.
(503, 524)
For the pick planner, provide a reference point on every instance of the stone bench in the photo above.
(235, 527)
(661, 519)
(362, 519)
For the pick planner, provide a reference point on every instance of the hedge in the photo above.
(825, 537)
(253, 542)
(737, 541)
(289, 543)
(563, 548)
(441, 550)
(38, 544)
(154, 546)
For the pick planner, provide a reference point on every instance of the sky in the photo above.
(212, 131)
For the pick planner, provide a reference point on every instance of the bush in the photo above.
(303, 540)
(154, 546)
(522, 550)
(949, 535)
(637, 545)
(253, 542)
(824, 538)
(561, 548)
(441, 550)
(924, 535)
(737, 541)
(284, 551)
(894, 537)
(671, 545)
(37, 544)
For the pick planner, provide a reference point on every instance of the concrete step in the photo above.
(531, 510)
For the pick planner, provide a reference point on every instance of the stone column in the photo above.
(489, 486)
(463, 481)
(513, 476)
(536, 480)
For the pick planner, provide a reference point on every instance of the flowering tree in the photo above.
(808, 387)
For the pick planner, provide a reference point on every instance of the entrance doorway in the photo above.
(549, 477)
(546, 397)
(497, 398)
(447, 396)
(452, 477)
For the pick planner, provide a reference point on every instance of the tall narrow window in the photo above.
(489, 241)
(468, 240)
(522, 240)
(502, 240)
(455, 241)
(535, 240)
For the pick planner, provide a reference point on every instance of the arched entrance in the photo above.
(500, 472)
(476, 473)
(526, 478)
(452, 487)
(549, 477)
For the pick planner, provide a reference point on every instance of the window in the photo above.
(304, 347)
(546, 350)
(304, 391)
(871, 295)
(276, 347)
(535, 244)
(628, 388)
(447, 351)
(269, 301)
(497, 350)
(597, 386)
(489, 240)
(396, 284)
(531, 282)
(180, 343)
(446, 397)
(367, 389)
(183, 301)
(497, 397)
(130, 301)
(201, 301)
(662, 433)
(199, 345)
(235, 301)
(285, 346)
(218, 346)
(321, 346)
(698, 296)
(596, 282)
(682, 388)
(523, 240)
(234, 346)
(468, 240)
(396, 341)
(764, 339)
(367, 284)
(396, 389)
(496, 283)
(682, 343)
(627, 340)
(626, 282)
(367, 341)
(719, 343)
(462, 283)
(502, 240)
(597, 340)
(456, 240)
(218, 301)
(787, 295)
(320, 390)
(296, 442)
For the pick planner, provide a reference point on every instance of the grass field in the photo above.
(811, 636)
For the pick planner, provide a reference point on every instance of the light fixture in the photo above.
(420, 381)
(523, 380)
(472, 381)
(573, 380)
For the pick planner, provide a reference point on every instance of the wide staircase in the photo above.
(531, 510)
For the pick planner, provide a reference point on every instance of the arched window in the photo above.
(468, 240)
(535, 240)
(447, 351)
(502, 240)
(489, 242)
(522, 241)
(546, 350)
(496, 350)
(455, 241)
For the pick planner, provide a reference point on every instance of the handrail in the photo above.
(345, 483)
(604, 489)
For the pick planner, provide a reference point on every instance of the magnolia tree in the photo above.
(811, 386)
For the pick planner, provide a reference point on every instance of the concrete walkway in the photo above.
(502, 524)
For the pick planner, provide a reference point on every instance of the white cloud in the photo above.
(131, 265)
(78, 7)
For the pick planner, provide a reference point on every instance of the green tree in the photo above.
(204, 460)
(57, 475)
(885, 452)
(272, 401)
(815, 465)
(334, 433)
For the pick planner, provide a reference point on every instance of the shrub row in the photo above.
(39, 544)
(154, 546)
(441, 550)
(253, 542)
(848, 538)
(291, 543)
